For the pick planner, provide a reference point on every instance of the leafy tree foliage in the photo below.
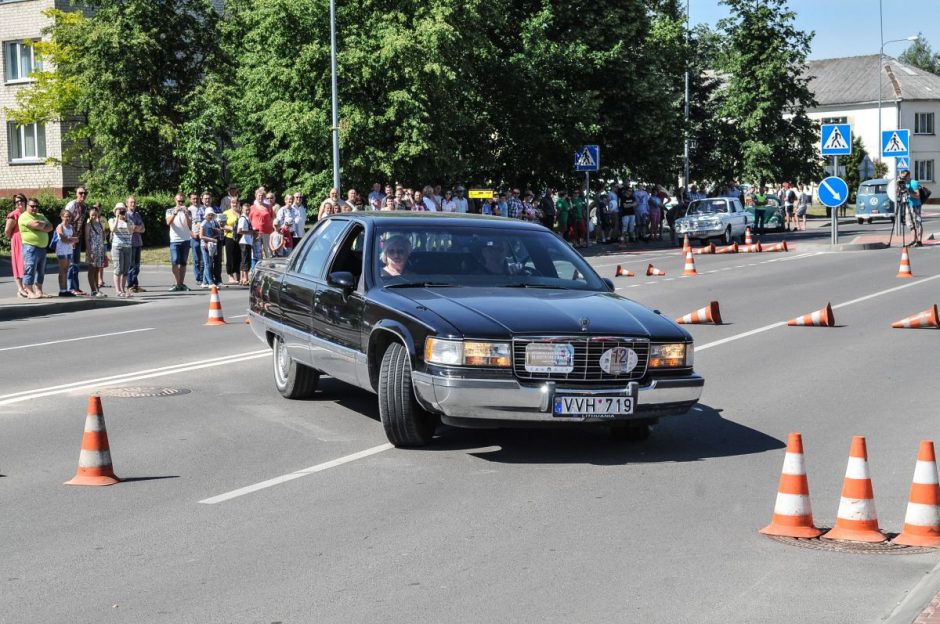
(767, 92)
(921, 55)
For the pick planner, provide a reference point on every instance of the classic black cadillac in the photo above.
(470, 321)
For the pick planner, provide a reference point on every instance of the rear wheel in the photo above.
(406, 423)
(860, 221)
(292, 380)
(869, 221)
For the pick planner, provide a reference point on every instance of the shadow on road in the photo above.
(132, 479)
(700, 434)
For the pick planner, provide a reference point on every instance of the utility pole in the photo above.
(335, 95)
(685, 175)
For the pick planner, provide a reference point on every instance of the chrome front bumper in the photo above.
(700, 231)
(508, 400)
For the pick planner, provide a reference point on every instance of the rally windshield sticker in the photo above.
(549, 358)
(618, 361)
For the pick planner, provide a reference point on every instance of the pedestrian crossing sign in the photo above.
(896, 143)
(903, 164)
(836, 139)
(588, 158)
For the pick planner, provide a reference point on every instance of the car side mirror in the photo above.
(342, 279)
(610, 284)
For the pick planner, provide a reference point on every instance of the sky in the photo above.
(849, 27)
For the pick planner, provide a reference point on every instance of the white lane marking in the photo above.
(759, 330)
(52, 342)
(239, 316)
(295, 475)
(28, 395)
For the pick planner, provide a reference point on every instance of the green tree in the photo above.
(767, 94)
(921, 55)
(120, 82)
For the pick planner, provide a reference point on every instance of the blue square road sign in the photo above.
(836, 139)
(588, 158)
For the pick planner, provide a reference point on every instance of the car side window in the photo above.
(349, 256)
(318, 248)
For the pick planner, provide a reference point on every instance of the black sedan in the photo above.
(469, 321)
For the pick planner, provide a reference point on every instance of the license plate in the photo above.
(595, 406)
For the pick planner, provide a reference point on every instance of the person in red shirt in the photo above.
(262, 221)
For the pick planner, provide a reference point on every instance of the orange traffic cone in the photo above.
(793, 516)
(927, 318)
(732, 248)
(748, 240)
(708, 314)
(94, 460)
(622, 272)
(689, 264)
(750, 248)
(215, 308)
(651, 270)
(820, 318)
(905, 270)
(706, 250)
(781, 246)
(922, 520)
(857, 520)
(686, 245)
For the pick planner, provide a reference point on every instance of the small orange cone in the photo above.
(905, 270)
(653, 271)
(686, 245)
(857, 520)
(781, 246)
(750, 248)
(708, 314)
(94, 460)
(927, 318)
(215, 308)
(706, 250)
(689, 264)
(922, 520)
(622, 272)
(820, 318)
(732, 248)
(793, 516)
(748, 240)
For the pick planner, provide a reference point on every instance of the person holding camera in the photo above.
(917, 194)
(122, 241)
(180, 222)
(137, 245)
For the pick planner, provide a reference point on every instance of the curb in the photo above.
(916, 600)
(32, 310)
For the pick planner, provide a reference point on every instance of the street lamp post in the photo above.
(881, 63)
(335, 95)
(685, 172)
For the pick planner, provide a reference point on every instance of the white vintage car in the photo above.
(715, 217)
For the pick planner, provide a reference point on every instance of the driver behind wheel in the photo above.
(394, 256)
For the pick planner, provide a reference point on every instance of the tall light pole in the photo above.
(335, 95)
(881, 63)
(685, 174)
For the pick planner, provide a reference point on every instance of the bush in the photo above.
(151, 207)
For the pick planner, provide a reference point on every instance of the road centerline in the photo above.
(53, 342)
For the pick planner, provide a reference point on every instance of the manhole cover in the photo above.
(141, 392)
(858, 548)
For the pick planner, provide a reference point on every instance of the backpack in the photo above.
(924, 194)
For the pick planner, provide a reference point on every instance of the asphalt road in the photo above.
(500, 526)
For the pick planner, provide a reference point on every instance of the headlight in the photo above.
(467, 353)
(678, 355)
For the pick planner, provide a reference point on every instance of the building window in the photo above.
(20, 60)
(27, 143)
(923, 123)
(834, 120)
(923, 170)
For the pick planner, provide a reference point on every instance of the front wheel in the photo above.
(727, 238)
(860, 221)
(406, 423)
(292, 380)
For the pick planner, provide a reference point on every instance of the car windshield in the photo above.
(429, 255)
(708, 206)
(874, 189)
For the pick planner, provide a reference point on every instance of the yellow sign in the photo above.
(480, 193)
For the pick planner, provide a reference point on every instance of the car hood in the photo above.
(500, 312)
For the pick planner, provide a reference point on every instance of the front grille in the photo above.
(587, 354)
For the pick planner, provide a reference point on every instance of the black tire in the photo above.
(635, 431)
(406, 423)
(728, 238)
(292, 380)
(860, 221)
(869, 221)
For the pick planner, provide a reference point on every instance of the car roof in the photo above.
(405, 217)
(875, 181)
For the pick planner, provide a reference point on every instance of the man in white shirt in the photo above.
(179, 220)
(292, 216)
(460, 201)
(376, 197)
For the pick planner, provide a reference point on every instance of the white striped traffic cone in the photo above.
(689, 268)
(94, 460)
(793, 516)
(708, 314)
(905, 270)
(922, 520)
(750, 248)
(927, 318)
(748, 240)
(215, 308)
(819, 318)
(653, 271)
(857, 520)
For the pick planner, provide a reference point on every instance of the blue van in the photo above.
(872, 202)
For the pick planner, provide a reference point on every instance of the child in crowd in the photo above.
(245, 244)
(209, 236)
(66, 239)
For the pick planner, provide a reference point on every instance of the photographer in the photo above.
(917, 195)
(180, 222)
(122, 236)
